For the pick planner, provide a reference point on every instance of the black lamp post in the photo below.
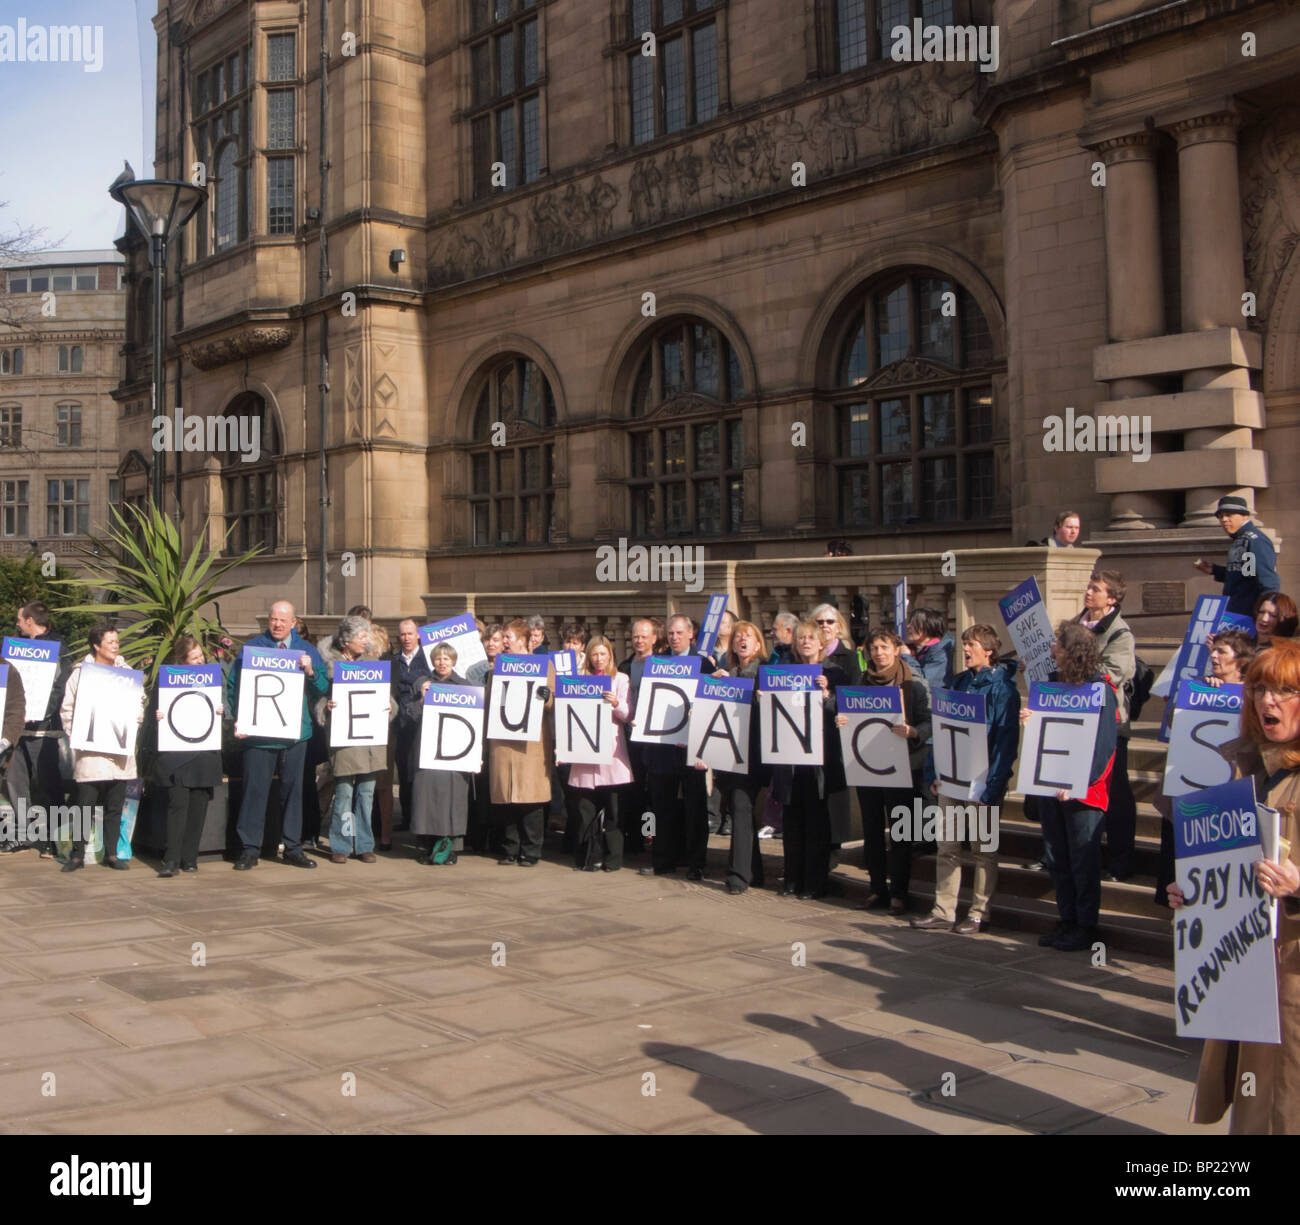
(161, 207)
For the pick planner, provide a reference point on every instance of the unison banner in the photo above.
(708, 634)
(1193, 658)
(961, 745)
(873, 755)
(37, 662)
(1060, 737)
(663, 704)
(516, 712)
(189, 701)
(565, 663)
(458, 632)
(1225, 967)
(1027, 622)
(900, 608)
(1205, 717)
(584, 720)
(719, 728)
(270, 694)
(790, 715)
(106, 717)
(451, 728)
(362, 693)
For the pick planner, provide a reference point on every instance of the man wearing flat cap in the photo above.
(1251, 570)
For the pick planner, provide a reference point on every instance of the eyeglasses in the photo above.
(821, 621)
(1280, 693)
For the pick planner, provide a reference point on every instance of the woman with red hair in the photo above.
(1276, 616)
(1269, 752)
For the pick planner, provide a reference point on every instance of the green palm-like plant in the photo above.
(155, 592)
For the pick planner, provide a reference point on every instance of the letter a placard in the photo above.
(106, 718)
(270, 694)
(451, 728)
(188, 699)
(719, 728)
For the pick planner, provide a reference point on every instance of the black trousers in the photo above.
(111, 795)
(1165, 874)
(1121, 815)
(609, 846)
(403, 762)
(260, 766)
(525, 828)
(807, 835)
(888, 860)
(187, 807)
(35, 777)
(740, 797)
(635, 801)
(681, 824)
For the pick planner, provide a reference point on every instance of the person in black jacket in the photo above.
(34, 773)
(635, 801)
(839, 648)
(410, 670)
(190, 778)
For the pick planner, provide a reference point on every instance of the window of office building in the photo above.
(67, 507)
(13, 503)
(220, 132)
(505, 95)
(677, 86)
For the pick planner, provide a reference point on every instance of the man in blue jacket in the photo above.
(263, 759)
(980, 647)
(1252, 564)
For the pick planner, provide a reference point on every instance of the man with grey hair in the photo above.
(537, 643)
(783, 627)
(263, 759)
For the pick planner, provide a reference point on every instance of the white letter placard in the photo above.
(516, 713)
(361, 693)
(663, 704)
(961, 744)
(37, 662)
(584, 721)
(873, 756)
(1205, 717)
(719, 726)
(188, 700)
(451, 728)
(270, 694)
(790, 715)
(106, 718)
(1060, 736)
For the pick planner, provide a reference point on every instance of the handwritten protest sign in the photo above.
(1205, 717)
(663, 704)
(516, 712)
(451, 728)
(1026, 620)
(961, 746)
(1059, 737)
(1225, 969)
(719, 728)
(106, 718)
(37, 662)
(790, 715)
(270, 694)
(873, 755)
(458, 632)
(362, 693)
(189, 699)
(584, 720)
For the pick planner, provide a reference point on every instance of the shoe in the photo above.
(787, 891)
(875, 901)
(654, 871)
(970, 927)
(724, 830)
(296, 859)
(248, 859)
(368, 857)
(385, 846)
(11, 848)
(1076, 940)
(338, 857)
(527, 863)
(451, 860)
(1038, 865)
(189, 867)
(897, 906)
(767, 832)
(931, 923)
(118, 865)
(695, 874)
(606, 867)
(507, 859)
(735, 886)
(168, 869)
(47, 852)
(73, 862)
(1048, 939)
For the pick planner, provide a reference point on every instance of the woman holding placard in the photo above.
(355, 767)
(190, 778)
(100, 779)
(885, 668)
(1261, 1081)
(812, 789)
(1230, 654)
(599, 788)
(1072, 827)
(440, 799)
(746, 653)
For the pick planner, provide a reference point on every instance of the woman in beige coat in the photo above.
(1260, 1081)
(519, 771)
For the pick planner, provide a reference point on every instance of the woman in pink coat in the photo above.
(600, 835)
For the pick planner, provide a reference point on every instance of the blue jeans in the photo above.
(353, 796)
(1073, 834)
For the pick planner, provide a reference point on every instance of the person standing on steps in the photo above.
(1251, 568)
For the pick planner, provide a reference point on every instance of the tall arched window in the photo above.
(512, 461)
(686, 440)
(916, 422)
(252, 489)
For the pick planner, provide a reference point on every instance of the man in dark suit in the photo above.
(410, 669)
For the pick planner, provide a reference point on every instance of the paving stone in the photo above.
(334, 996)
(603, 1044)
(524, 1115)
(168, 982)
(42, 999)
(320, 1097)
(442, 981)
(227, 1060)
(77, 1083)
(585, 959)
(613, 993)
(343, 1043)
(492, 1013)
(79, 962)
(232, 1112)
(102, 931)
(732, 971)
(470, 1071)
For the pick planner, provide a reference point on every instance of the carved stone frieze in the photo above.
(247, 342)
(1270, 204)
(908, 370)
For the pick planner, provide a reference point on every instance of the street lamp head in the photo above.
(160, 207)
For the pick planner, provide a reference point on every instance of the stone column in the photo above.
(1135, 306)
(1213, 276)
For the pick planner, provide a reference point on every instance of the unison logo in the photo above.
(29, 44)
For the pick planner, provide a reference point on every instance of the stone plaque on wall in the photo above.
(1164, 597)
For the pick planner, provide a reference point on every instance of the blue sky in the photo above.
(65, 132)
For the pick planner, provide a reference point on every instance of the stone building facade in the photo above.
(503, 286)
(62, 316)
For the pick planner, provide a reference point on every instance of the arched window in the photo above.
(686, 470)
(916, 421)
(512, 462)
(252, 489)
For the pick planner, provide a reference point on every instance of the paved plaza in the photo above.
(365, 998)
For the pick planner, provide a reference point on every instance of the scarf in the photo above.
(895, 678)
